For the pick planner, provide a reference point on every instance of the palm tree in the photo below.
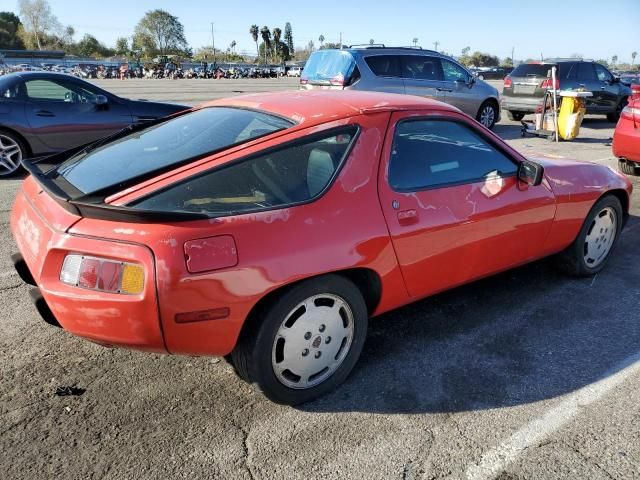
(415, 41)
(277, 33)
(614, 60)
(266, 38)
(233, 46)
(371, 42)
(321, 40)
(633, 57)
(254, 34)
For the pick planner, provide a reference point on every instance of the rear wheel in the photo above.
(588, 254)
(615, 116)
(307, 342)
(12, 151)
(515, 116)
(488, 114)
(629, 168)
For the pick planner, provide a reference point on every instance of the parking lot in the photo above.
(526, 375)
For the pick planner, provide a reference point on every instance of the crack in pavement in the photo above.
(587, 459)
(245, 439)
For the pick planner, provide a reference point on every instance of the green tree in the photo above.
(371, 41)
(633, 57)
(160, 33)
(288, 38)
(254, 30)
(38, 21)
(265, 33)
(614, 60)
(233, 46)
(9, 26)
(507, 62)
(480, 59)
(122, 46)
(328, 45)
(89, 46)
(277, 34)
(321, 40)
(465, 51)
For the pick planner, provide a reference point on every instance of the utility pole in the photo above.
(512, 59)
(340, 40)
(213, 44)
(435, 44)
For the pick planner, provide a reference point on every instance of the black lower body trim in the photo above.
(42, 307)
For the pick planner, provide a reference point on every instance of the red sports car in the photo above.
(626, 139)
(268, 228)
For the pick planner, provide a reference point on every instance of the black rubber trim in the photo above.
(42, 307)
(23, 270)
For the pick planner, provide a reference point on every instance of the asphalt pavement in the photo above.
(525, 375)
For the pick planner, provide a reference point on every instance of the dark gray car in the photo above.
(412, 71)
(524, 88)
(44, 112)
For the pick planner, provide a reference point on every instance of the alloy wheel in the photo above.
(10, 155)
(312, 341)
(487, 116)
(600, 237)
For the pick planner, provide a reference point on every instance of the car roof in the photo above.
(45, 74)
(312, 107)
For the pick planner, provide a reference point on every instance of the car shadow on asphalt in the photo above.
(523, 336)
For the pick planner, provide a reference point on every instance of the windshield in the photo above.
(170, 143)
(329, 64)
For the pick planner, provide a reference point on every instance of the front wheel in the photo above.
(488, 114)
(306, 343)
(589, 252)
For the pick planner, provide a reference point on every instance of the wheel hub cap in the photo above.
(10, 155)
(487, 116)
(600, 237)
(312, 341)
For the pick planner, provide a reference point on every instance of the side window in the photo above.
(47, 90)
(384, 65)
(568, 70)
(585, 71)
(602, 73)
(432, 153)
(453, 72)
(290, 175)
(421, 67)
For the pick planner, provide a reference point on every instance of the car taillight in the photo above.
(630, 112)
(303, 81)
(103, 275)
(508, 83)
(635, 91)
(548, 83)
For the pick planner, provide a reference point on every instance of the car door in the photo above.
(63, 113)
(609, 89)
(422, 75)
(454, 207)
(458, 89)
(586, 77)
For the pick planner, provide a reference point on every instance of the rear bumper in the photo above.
(108, 318)
(520, 104)
(626, 141)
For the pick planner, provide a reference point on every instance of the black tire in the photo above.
(480, 77)
(515, 116)
(572, 260)
(254, 354)
(629, 168)
(615, 116)
(8, 138)
(482, 111)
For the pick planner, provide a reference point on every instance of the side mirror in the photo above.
(100, 100)
(530, 173)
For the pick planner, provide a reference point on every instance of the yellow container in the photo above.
(572, 112)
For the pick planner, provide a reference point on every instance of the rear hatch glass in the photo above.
(174, 142)
(329, 67)
(527, 77)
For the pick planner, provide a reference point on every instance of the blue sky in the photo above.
(495, 26)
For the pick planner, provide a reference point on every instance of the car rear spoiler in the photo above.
(77, 203)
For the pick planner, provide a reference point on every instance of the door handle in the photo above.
(407, 217)
(444, 89)
(44, 113)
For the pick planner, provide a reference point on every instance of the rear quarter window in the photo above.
(294, 174)
(384, 65)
